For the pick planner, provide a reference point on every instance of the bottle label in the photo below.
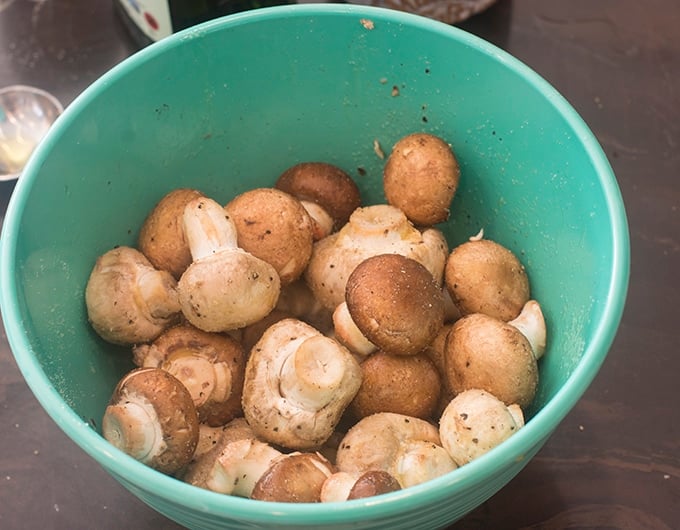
(151, 16)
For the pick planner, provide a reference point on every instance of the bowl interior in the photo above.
(228, 105)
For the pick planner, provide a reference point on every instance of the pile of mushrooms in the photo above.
(296, 345)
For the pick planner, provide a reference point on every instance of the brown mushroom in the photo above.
(326, 191)
(161, 237)
(152, 418)
(343, 486)
(487, 353)
(421, 177)
(483, 276)
(395, 302)
(210, 365)
(273, 226)
(129, 301)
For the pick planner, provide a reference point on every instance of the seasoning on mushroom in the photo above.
(129, 301)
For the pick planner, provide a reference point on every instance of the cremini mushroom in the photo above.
(152, 418)
(483, 276)
(343, 486)
(475, 422)
(371, 230)
(395, 302)
(326, 191)
(225, 287)
(295, 477)
(298, 383)
(407, 448)
(129, 301)
(404, 384)
(421, 177)
(489, 354)
(161, 237)
(273, 226)
(210, 365)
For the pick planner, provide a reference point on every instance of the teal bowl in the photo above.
(229, 104)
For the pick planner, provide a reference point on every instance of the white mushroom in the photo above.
(225, 287)
(297, 384)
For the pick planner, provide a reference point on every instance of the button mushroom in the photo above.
(225, 287)
(152, 418)
(475, 422)
(297, 384)
(371, 230)
(407, 448)
(161, 237)
(129, 301)
(421, 177)
(326, 191)
(483, 276)
(210, 365)
(486, 353)
(273, 226)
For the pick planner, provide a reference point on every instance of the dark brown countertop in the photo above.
(615, 460)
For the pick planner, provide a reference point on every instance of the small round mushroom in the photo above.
(152, 418)
(225, 287)
(161, 238)
(421, 177)
(407, 448)
(295, 477)
(326, 191)
(475, 422)
(486, 353)
(210, 365)
(343, 486)
(395, 302)
(273, 226)
(483, 276)
(129, 301)
(408, 385)
(372, 230)
(298, 383)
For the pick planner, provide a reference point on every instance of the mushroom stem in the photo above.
(349, 335)
(531, 324)
(204, 380)
(311, 376)
(157, 291)
(208, 228)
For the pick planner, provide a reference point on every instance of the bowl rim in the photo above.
(131, 472)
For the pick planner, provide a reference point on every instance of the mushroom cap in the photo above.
(475, 422)
(161, 238)
(129, 301)
(402, 384)
(210, 365)
(483, 276)
(152, 417)
(421, 177)
(324, 184)
(295, 477)
(273, 226)
(395, 302)
(486, 353)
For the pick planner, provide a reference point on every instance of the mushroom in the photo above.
(371, 230)
(129, 301)
(421, 177)
(161, 238)
(486, 353)
(407, 448)
(295, 477)
(152, 418)
(343, 486)
(298, 383)
(273, 226)
(531, 323)
(475, 422)
(483, 276)
(328, 194)
(408, 385)
(210, 365)
(395, 303)
(225, 287)
(436, 353)
(299, 301)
